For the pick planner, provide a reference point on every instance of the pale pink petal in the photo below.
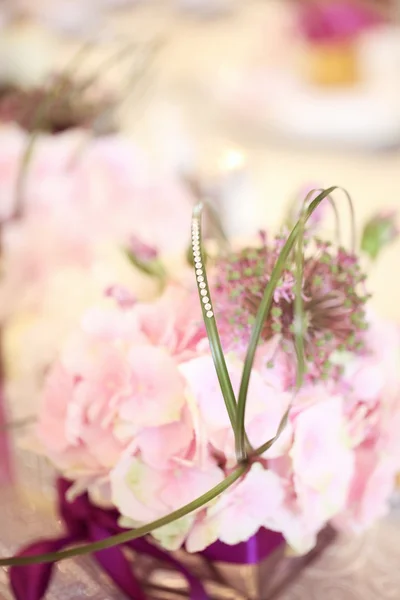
(156, 394)
(240, 512)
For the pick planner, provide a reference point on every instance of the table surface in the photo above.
(359, 568)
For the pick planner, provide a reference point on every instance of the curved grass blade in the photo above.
(261, 449)
(262, 313)
(299, 322)
(130, 535)
(209, 319)
(299, 316)
(210, 209)
(353, 236)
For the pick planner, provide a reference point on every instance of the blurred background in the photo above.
(265, 97)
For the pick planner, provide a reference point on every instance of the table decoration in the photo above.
(267, 409)
(330, 31)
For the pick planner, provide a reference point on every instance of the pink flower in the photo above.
(322, 460)
(158, 444)
(373, 414)
(155, 395)
(112, 389)
(264, 410)
(144, 493)
(74, 434)
(183, 332)
(372, 486)
(240, 512)
(371, 383)
(84, 199)
(133, 411)
(82, 195)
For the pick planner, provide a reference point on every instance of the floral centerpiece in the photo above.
(262, 402)
(330, 30)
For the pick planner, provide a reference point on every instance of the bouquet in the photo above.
(261, 401)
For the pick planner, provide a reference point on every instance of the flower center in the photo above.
(333, 300)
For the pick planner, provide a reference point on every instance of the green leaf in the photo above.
(299, 318)
(127, 536)
(153, 268)
(262, 314)
(208, 316)
(380, 231)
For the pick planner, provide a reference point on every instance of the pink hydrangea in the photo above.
(84, 202)
(133, 412)
(80, 196)
(241, 511)
(373, 416)
(115, 387)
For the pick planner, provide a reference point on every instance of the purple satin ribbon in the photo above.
(5, 458)
(5, 451)
(87, 523)
(336, 20)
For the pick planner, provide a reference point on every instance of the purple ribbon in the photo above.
(85, 522)
(5, 451)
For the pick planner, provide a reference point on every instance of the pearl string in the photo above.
(201, 283)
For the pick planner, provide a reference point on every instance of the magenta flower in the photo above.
(336, 20)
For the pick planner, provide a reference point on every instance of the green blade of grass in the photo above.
(209, 318)
(267, 445)
(262, 314)
(127, 536)
(299, 323)
(353, 236)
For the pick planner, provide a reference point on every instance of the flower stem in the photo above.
(132, 534)
(209, 319)
(37, 123)
(298, 304)
(262, 314)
